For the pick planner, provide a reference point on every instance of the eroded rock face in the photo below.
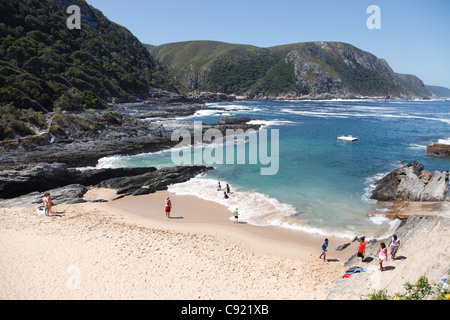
(46, 176)
(128, 181)
(153, 181)
(411, 183)
(439, 150)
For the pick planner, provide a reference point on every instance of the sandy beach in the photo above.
(126, 249)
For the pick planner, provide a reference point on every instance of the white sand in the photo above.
(102, 251)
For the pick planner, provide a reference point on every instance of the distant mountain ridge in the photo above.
(311, 69)
(441, 92)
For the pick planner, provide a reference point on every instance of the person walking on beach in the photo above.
(382, 254)
(168, 208)
(362, 248)
(394, 244)
(236, 214)
(47, 204)
(324, 250)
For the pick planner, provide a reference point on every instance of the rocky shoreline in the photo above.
(53, 162)
(148, 128)
(411, 183)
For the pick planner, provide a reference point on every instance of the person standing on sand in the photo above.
(394, 244)
(47, 204)
(362, 248)
(382, 254)
(236, 214)
(168, 208)
(324, 250)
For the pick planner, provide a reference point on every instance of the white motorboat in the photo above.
(348, 138)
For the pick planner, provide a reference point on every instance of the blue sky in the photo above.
(414, 37)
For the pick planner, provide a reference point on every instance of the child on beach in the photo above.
(362, 248)
(236, 214)
(382, 254)
(324, 250)
(219, 187)
(394, 244)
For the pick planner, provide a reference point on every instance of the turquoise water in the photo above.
(323, 184)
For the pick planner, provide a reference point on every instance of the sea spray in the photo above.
(254, 207)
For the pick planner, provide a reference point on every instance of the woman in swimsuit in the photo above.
(47, 204)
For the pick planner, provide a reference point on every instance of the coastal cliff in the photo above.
(312, 70)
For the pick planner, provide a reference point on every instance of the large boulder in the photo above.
(411, 183)
(439, 150)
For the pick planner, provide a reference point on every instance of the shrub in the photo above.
(420, 290)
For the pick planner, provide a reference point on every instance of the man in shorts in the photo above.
(168, 208)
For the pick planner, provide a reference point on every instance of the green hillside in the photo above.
(441, 92)
(313, 68)
(44, 64)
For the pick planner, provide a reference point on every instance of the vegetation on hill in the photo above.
(311, 68)
(44, 65)
(441, 92)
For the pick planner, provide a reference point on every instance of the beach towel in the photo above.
(353, 270)
(346, 275)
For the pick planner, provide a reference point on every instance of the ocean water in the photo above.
(323, 184)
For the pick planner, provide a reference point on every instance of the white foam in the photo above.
(253, 207)
(269, 123)
(415, 146)
(444, 141)
(326, 114)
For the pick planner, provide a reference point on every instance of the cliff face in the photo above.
(313, 69)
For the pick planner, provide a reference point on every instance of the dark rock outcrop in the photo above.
(28, 185)
(68, 194)
(152, 181)
(232, 120)
(410, 183)
(77, 147)
(45, 176)
(439, 150)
